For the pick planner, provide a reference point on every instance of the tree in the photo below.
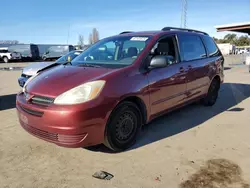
(80, 40)
(243, 41)
(9, 42)
(90, 39)
(233, 39)
(95, 35)
(230, 38)
(215, 39)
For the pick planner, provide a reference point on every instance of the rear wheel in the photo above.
(123, 127)
(212, 94)
(5, 59)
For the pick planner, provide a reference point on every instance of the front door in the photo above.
(167, 85)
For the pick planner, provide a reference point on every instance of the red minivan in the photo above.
(117, 85)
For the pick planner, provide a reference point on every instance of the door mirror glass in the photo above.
(160, 61)
(69, 59)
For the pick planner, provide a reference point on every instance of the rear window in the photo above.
(211, 46)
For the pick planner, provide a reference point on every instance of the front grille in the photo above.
(45, 101)
(71, 138)
(32, 112)
(40, 133)
(25, 76)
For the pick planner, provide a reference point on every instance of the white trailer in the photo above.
(226, 48)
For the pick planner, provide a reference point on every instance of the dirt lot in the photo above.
(193, 147)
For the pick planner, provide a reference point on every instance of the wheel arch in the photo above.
(217, 78)
(140, 104)
(137, 101)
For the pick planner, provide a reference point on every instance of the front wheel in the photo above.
(212, 94)
(5, 59)
(123, 127)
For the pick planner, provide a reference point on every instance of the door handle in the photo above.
(190, 67)
(182, 69)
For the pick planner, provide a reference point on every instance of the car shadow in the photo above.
(7, 102)
(188, 117)
(193, 115)
(227, 68)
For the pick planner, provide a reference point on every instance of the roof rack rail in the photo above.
(182, 29)
(124, 32)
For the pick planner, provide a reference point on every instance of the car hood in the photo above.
(56, 81)
(34, 67)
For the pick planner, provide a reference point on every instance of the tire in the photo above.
(123, 127)
(5, 60)
(212, 94)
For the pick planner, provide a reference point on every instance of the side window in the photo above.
(166, 47)
(211, 46)
(191, 47)
(3, 51)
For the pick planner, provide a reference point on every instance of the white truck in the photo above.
(226, 48)
(7, 56)
(242, 51)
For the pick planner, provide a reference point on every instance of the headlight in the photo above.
(82, 93)
(31, 78)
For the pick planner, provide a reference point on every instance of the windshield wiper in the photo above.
(69, 62)
(89, 65)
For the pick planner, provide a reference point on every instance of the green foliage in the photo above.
(233, 39)
(243, 41)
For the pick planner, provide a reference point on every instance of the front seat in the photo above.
(132, 51)
(162, 49)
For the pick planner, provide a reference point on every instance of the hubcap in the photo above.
(125, 127)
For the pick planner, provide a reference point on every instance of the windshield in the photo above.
(72, 56)
(112, 52)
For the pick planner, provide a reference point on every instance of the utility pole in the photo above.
(184, 14)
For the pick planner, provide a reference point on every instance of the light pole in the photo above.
(184, 14)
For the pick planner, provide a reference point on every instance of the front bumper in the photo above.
(72, 126)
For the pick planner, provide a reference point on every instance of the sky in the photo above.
(61, 21)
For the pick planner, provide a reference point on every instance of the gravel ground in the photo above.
(193, 147)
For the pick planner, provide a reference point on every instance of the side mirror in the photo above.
(161, 61)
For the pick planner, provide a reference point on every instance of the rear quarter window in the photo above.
(211, 46)
(191, 47)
